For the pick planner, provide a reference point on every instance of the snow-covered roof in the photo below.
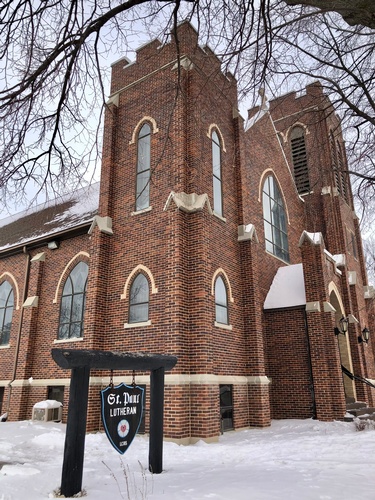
(49, 219)
(287, 288)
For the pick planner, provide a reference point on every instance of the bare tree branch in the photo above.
(354, 12)
(53, 82)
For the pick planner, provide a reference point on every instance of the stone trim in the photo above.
(313, 306)
(184, 63)
(312, 238)
(4, 277)
(64, 273)
(352, 277)
(218, 216)
(137, 128)
(104, 224)
(170, 379)
(328, 307)
(259, 380)
(75, 339)
(188, 203)
(223, 326)
(215, 127)
(137, 325)
(247, 232)
(39, 257)
(31, 301)
(138, 269)
(216, 274)
(144, 210)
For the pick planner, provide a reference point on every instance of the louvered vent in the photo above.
(344, 190)
(299, 157)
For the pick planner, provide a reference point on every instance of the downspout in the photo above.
(24, 297)
(311, 387)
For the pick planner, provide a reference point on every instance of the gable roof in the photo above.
(64, 214)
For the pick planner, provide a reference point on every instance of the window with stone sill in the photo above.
(216, 174)
(139, 300)
(73, 303)
(221, 302)
(143, 168)
(274, 217)
(6, 312)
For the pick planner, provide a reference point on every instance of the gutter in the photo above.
(35, 243)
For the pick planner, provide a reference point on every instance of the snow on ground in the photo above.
(291, 460)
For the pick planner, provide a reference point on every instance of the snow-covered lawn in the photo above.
(293, 459)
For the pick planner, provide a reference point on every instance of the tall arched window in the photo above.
(143, 168)
(216, 171)
(6, 311)
(139, 300)
(73, 302)
(299, 157)
(275, 225)
(221, 302)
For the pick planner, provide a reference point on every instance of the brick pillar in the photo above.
(325, 356)
(205, 411)
(258, 390)
(98, 280)
(20, 387)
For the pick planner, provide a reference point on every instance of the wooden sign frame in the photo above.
(80, 362)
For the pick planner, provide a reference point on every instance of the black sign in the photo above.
(122, 408)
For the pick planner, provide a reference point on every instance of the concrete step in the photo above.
(355, 405)
(367, 417)
(357, 412)
(349, 417)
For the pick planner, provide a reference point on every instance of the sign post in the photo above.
(80, 362)
(155, 457)
(75, 432)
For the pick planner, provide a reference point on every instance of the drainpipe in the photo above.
(312, 391)
(18, 343)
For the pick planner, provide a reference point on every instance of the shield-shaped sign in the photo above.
(122, 408)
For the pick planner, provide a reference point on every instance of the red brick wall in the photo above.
(182, 252)
(288, 364)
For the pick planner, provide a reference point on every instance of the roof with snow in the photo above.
(287, 288)
(55, 217)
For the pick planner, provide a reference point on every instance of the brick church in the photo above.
(229, 243)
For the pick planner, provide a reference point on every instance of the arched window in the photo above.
(221, 302)
(216, 171)
(73, 302)
(6, 311)
(299, 157)
(139, 300)
(143, 168)
(275, 226)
